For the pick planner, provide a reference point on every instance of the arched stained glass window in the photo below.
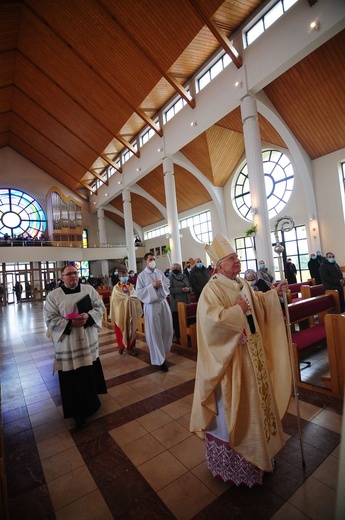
(279, 181)
(20, 214)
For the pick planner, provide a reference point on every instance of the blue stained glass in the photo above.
(20, 214)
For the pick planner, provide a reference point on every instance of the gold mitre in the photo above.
(220, 248)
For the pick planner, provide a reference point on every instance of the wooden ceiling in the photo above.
(79, 79)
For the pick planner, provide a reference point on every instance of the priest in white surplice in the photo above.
(152, 289)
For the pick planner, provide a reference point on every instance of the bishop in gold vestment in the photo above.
(243, 381)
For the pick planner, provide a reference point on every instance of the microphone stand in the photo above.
(287, 224)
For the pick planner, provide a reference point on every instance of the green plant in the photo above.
(166, 250)
(251, 230)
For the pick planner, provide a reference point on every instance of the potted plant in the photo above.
(251, 232)
(166, 250)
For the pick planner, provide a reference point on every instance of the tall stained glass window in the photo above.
(20, 214)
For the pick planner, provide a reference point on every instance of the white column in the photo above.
(172, 214)
(252, 143)
(129, 231)
(102, 236)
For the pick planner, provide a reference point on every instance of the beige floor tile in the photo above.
(327, 472)
(127, 433)
(148, 389)
(184, 420)
(186, 496)
(70, 487)
(55, 444)
(186, 375)
(44, 431)
(336, 452)
(315, 499)
(329, 420)
(177, 409)
(307, 411)
(41, 406)
(142, 450)
(288, 512)
(62, 463)
(162, 470)
(216, 485)
(89, 507)
(171, 434)
(154, 420)
(190, 452)
(46, 416)
(37, 396)
(188, 399)
(126, 398)
(108, 406)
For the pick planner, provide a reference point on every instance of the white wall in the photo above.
(18, 172)
(329, 194)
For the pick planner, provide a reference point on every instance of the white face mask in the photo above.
(152, 264)
(252, 282)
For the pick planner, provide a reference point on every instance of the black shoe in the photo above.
(121, 351)
(164, 367)
(79, 422)
(132, 352)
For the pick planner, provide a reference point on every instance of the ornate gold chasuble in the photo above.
(252, 369)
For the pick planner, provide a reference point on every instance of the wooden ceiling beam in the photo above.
(218, 34)
(173, 82)
(150, 122)
(88, 187)
(127, 144)
(93, 172)
(181, 90)
(105, 157)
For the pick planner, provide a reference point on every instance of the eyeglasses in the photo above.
(70, 274)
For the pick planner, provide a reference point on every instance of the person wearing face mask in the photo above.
(257, 284)
(152, 289)
(187, 269)
(114, 277)
(132, 277)
(290, 271)
(125, 311)
(198, 278)
(180, 290)
(265, 274)
(314, 267)
(332, 277)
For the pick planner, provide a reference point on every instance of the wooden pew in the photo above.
(308, 291)
(293, 294)
(335, 332)
(306, 331)
(187, 323)
(105, 297)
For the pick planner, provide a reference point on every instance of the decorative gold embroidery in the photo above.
(262, 378)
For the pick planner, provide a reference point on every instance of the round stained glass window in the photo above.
(279, 181)
(20, 215)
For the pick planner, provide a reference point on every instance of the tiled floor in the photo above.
(136, 458)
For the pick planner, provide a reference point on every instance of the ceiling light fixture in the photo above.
(238, 84)
(160, 149)
(194, 123)
(314, 25)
